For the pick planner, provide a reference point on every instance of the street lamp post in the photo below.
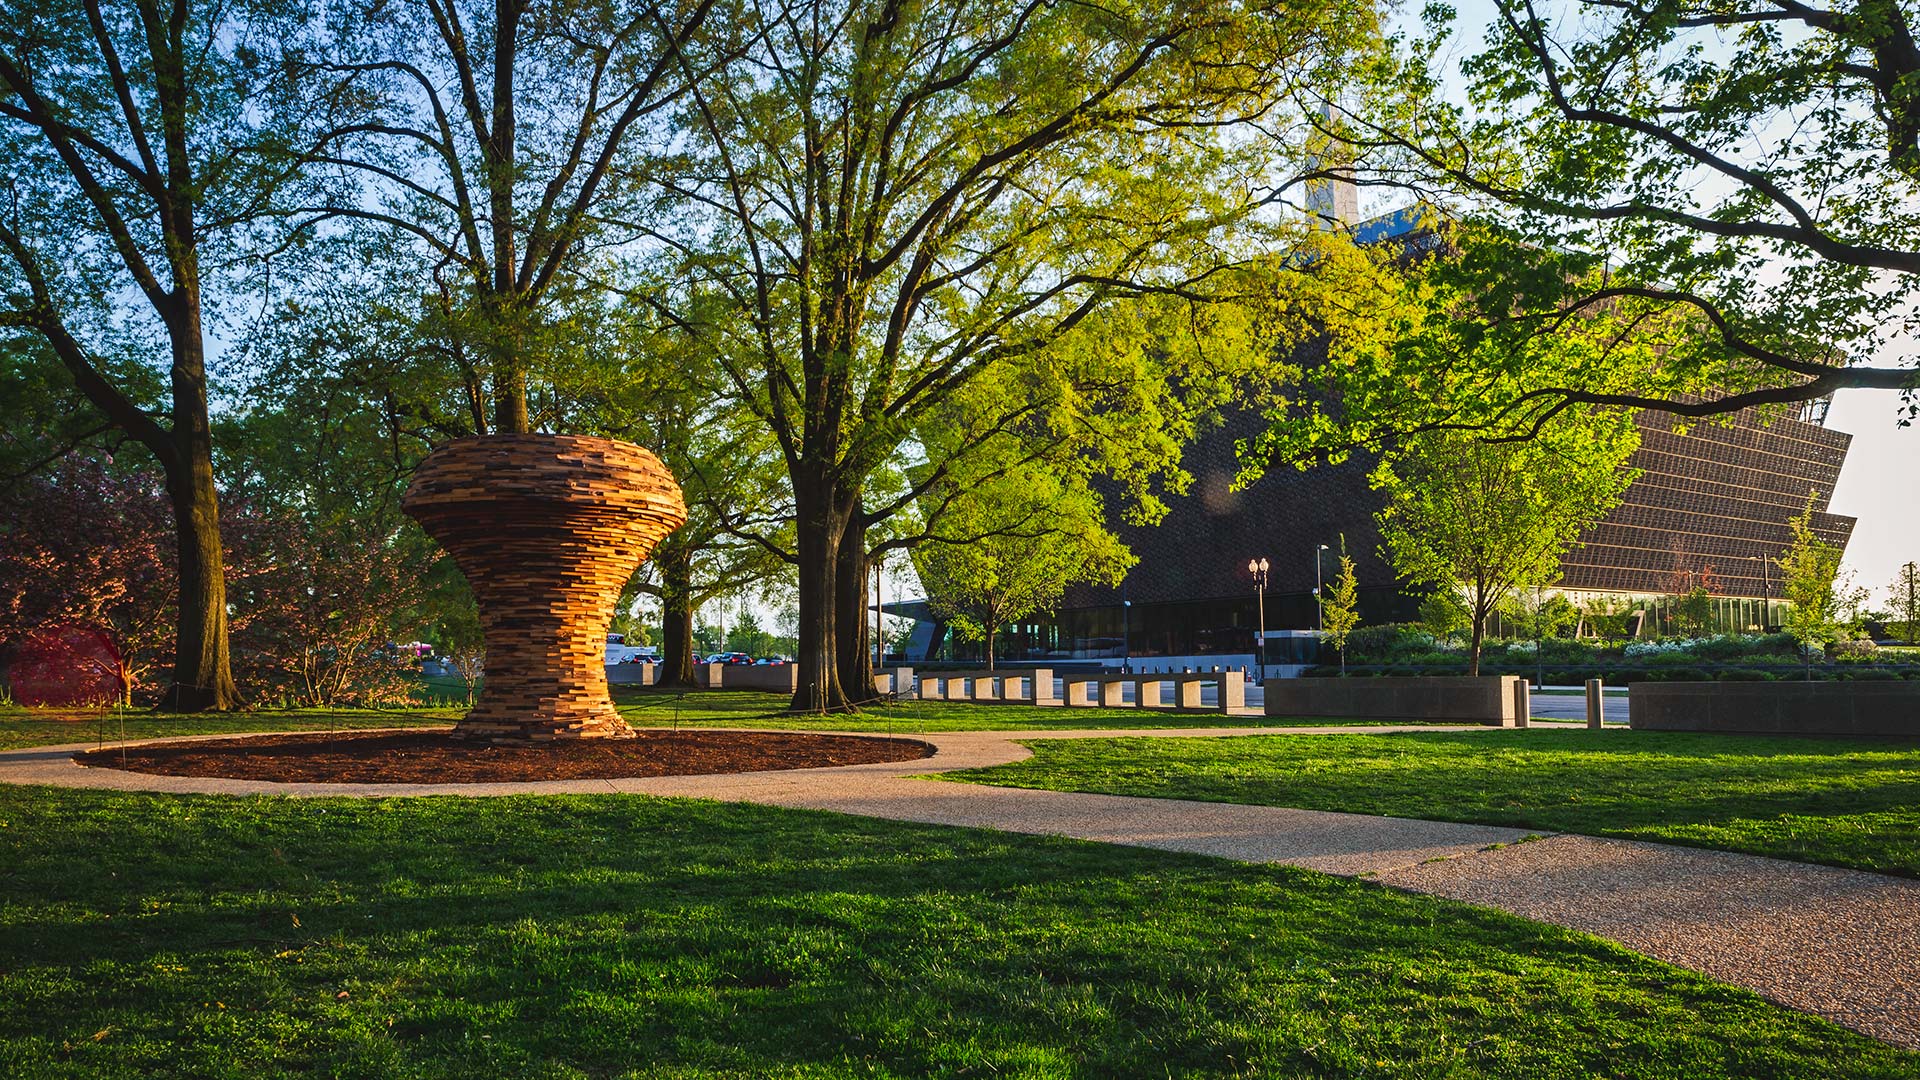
(1258, 568)
(1766, 591)
(1319, 610)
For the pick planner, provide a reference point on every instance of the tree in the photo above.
(656, 386)
(500, 141)
(1692, 611)
(1747, 169)
(1605, 616)
(1819, 602)
(89, 544)
(747, 636)
(1340, 612)
(142, 145)
(1904, 598)
(325, 607)
(1443, 614)
(903, 197)
(1536, 614)
(1495, 517)
(1013, 550)
(455, 632)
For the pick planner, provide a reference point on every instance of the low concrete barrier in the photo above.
(1777, 708)
(774, 678)
(1108, 691)
(1016, 687)
(1150, 690)
(1487, 699)
(893, 680)
(630, 674)
(1188, 687)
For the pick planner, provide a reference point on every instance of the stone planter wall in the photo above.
(773, 678)
(1777, 708)
(1467, 700)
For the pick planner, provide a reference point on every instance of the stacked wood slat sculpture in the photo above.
(547, 529)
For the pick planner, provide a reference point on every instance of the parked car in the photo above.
(729, 658)
(773, 660)
(618, 653)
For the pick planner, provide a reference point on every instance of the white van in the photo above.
(619, 652)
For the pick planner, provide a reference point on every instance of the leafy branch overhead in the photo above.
(1730, 188)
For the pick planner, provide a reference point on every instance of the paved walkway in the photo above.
(1839, 943)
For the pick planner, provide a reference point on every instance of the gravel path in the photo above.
(1842, 944)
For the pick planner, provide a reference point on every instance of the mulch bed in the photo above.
(435, 757)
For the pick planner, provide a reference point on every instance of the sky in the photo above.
(1880, 486)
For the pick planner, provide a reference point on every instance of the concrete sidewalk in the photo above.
(1839, 943)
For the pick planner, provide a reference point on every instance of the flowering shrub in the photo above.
(1635, 650)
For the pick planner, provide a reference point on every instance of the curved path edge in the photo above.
(1842, 944)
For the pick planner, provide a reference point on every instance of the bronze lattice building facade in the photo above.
(1711, 505)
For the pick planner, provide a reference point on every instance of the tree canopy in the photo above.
(1488, 518)
(1732, 186)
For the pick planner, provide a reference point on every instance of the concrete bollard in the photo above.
(1596, 704)
(1522, 703)
(1043, 688)
(1233, 691)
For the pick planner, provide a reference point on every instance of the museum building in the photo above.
(1710, 507)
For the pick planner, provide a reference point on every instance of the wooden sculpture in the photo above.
(547, 529)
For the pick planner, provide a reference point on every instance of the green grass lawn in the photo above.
(608, 936)
(1844, 802)
(21, 728)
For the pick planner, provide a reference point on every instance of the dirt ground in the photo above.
(435, 757)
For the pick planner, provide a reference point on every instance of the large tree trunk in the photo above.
(202, 668)
(510, 398)
(676, 615)
(854, 648)
(818, 527)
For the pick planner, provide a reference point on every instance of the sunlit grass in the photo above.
(610, 936)
(1845, 802)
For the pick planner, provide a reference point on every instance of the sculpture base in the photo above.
(482, 724)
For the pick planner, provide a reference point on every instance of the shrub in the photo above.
(1388, 641)
(1724, 646)
(1679, 674)
(1739, 674)
(1637, 650)
(1570, 651)
(1852, 651)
